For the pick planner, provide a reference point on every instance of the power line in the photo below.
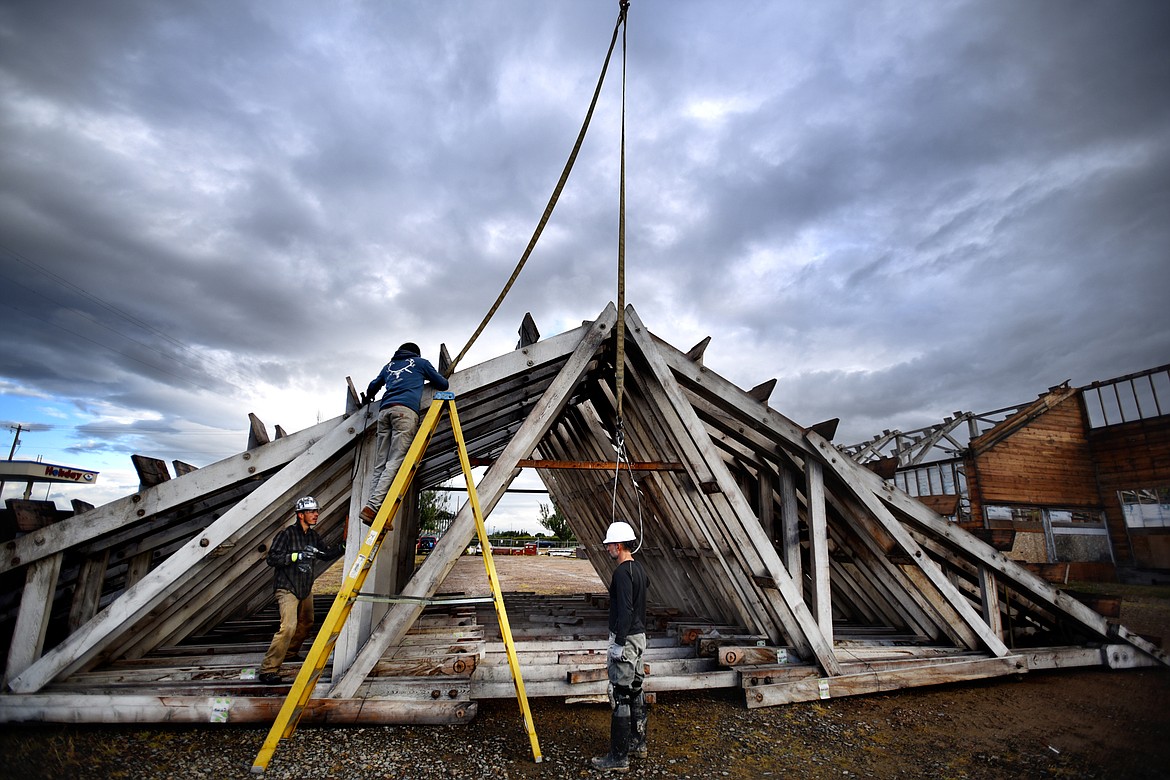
(115, 351)
(122, 314)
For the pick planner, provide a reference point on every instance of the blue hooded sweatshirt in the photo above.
(403, 377)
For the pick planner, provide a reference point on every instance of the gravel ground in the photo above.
(1094, 724)
(1059, 725)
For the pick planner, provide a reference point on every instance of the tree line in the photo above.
(435, 516)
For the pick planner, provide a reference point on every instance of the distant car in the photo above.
(425, 545)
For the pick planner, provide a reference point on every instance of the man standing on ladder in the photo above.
(627, 642)
(403, 377)
(292, 554)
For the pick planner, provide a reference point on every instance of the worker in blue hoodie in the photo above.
(403, 377)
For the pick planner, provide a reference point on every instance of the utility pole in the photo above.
(15, 439)
(11, 452)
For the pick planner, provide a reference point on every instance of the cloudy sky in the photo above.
(896, 209)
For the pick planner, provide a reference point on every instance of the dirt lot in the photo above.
(1078, 724)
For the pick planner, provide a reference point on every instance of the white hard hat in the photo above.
(619, 532)
(306, 504)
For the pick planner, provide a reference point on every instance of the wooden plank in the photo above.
(814, 688)
(818, 550)
(357, 628)
(751, 655)
(448, 664)
(32, 621)
(709, 645)
(989, 601)
(417, 688)
(81, 708)
(87, 596)
(257, 433)
(790, 525)
(1064, 657)
(585, 675)
(31, 515)
(138, 567)
(151, 471)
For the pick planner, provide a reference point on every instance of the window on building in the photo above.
(1146, 507)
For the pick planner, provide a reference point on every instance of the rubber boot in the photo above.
(638, 718)
(619, 745)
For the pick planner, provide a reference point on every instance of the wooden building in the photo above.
(1075, 483)
(780, 565)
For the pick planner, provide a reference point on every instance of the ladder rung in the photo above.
(422, 599)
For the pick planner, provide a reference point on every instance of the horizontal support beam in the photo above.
(813, 688)
(81, 708)
(586, 465)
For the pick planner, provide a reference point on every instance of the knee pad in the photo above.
(621, 701)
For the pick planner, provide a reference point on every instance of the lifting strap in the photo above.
(552, 202)
(620, 357)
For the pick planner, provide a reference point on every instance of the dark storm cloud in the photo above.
(898, 210)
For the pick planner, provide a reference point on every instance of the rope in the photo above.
(620, 333)
(619, 445)
(552, 202)
(620, 369)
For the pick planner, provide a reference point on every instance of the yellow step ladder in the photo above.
(318, 655)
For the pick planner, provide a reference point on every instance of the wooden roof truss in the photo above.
(777, 562)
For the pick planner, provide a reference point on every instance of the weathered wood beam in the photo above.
(257, 433)
(790, 525)
(763, 391)
(110, 708)
(87, 596)
(36, 604)
(695, 353)
(586, 465)
(811, 689)
(151, 471)
(818, 548)
(529, 333)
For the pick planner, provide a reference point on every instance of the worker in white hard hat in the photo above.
(292, 554)
(627, 643)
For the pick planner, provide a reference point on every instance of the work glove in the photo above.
(615, 652)
(312, 552)
(365, 399)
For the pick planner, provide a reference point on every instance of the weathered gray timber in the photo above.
(778, 565)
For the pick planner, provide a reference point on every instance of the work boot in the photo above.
(638, 718)
(619, 745)
(368, 515)
(269, 678)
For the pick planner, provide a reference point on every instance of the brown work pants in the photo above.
(296, 620)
